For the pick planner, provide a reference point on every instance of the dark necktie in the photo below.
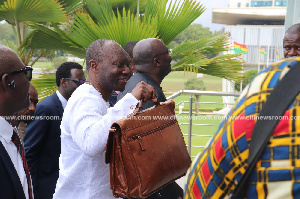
(16, 140)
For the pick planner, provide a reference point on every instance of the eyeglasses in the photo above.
(27, 71)
(79, 81)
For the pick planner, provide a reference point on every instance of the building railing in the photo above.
(192, 93)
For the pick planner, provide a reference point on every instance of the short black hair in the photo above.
(94, 51)
(64, 70)
(129, 48)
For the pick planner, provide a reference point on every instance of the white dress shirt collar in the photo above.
(7, 130)
(62, 99)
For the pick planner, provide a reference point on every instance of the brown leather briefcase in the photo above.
(146, 152)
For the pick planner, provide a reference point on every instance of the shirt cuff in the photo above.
(127, 104)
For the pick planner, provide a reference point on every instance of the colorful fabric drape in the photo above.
(277, 53)
(216, 171)
(240, 48)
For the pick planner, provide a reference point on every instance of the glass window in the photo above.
(239, 5)
(261, 3)
(247, 5)
(281, 3)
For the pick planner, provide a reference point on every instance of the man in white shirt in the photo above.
(15, 179)
(42, 138)
(87, 119)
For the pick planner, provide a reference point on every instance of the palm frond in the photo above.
(228, 66)
(128, 4)
(71, 5)
(205, 46)
(101, 11)
(176, 17)
(32, 10)
(46, 38)
(121, 28)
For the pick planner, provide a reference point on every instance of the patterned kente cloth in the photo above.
(217, 169)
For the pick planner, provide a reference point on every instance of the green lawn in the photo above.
(42, 66)
(175, 81)
(212, 122)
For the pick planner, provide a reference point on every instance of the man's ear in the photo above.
(156, 62)
(63, 82)
(4, 80)
(93, 64)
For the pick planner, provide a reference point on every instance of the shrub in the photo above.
(248, 76)
(194, 84)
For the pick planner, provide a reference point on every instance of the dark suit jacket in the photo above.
(134, 80)
(42, 147)
(173, 190)
(10, 185)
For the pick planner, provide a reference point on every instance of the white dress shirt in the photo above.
(6, 132)
(62, 99)
(84, 130)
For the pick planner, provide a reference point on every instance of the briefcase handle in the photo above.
(140, 105)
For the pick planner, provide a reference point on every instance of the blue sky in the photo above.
(206, 18)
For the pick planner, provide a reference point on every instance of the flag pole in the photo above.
(268, 58)
(258, 66)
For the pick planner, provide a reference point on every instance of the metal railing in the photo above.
(190, 112)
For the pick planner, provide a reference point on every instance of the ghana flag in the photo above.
(240, 48)
(261, 51)
(277, 53)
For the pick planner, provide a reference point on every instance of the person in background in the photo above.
(216, 171)
(25, 116)
(129, 49)
(87, 119)
(152, 62)
(15, 178)
(42, 138)
(291, 41)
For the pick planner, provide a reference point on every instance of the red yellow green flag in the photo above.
(261, 51)
(240, 48)
(277, 53)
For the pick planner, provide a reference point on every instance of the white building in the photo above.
(257, 24)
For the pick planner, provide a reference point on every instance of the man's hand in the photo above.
(145, 91)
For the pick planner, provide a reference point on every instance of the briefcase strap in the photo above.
(282, 96)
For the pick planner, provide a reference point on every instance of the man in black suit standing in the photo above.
(153, 62)
(15, 179)
(42, 138)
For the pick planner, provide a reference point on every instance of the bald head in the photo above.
(291, 41)
(14, 87)
(145, 51)
(151, 56)
(294, 29)
(8, 59)
(96, 49)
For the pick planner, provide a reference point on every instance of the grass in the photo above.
(42, 65)
(175, 81)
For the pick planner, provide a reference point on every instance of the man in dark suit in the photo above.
(42, 138)
(15, 179)
(152, 62)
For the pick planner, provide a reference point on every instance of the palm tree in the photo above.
(163, 19)
(20, 13)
